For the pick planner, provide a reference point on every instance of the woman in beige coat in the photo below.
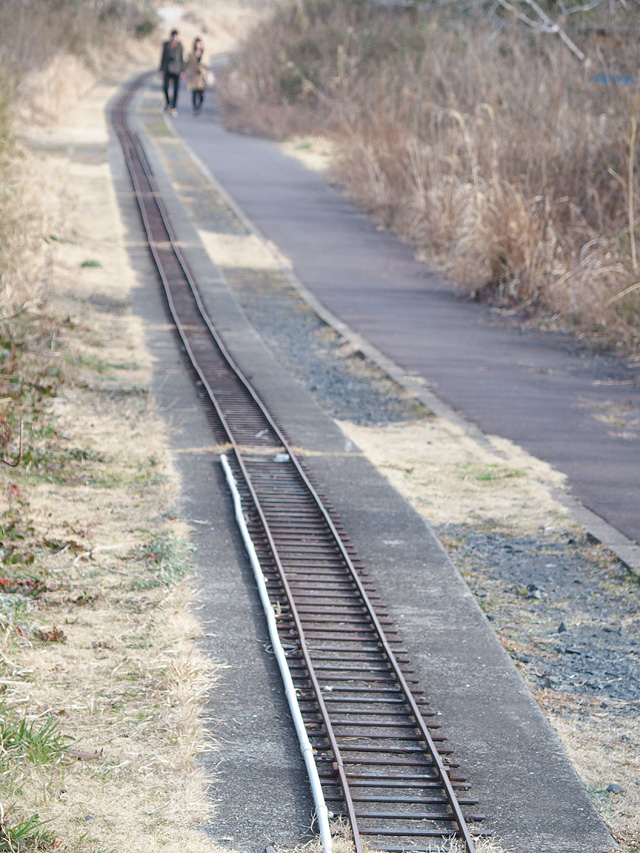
(197, 75)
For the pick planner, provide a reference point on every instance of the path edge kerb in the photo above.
(598, 529)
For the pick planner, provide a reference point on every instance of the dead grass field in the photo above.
(97, 635)
(493, 150)
(101, 682)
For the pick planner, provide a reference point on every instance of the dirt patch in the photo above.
(316, 152)
(449, 478)
(237, 251)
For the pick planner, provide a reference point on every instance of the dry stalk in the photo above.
(622, 293)
(13, 463)
(630, 193)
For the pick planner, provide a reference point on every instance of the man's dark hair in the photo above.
(174, 33)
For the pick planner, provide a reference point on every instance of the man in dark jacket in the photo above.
(171, 66)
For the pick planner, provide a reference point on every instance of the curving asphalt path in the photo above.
(576, 409)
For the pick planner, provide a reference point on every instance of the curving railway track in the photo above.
(381, 759)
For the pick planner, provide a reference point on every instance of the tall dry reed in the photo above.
(491, 148)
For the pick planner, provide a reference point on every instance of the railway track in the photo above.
(380, 757)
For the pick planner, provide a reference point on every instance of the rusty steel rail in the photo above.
(378, 748)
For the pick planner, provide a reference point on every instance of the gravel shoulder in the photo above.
(563, 607)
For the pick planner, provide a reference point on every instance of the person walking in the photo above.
(197, 75)
(171, 67)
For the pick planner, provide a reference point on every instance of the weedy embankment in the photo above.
(50, 53)
(489, 145)
(101, 684)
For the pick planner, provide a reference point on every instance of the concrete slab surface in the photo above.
(524, 781)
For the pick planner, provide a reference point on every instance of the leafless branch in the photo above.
(543, 24)
(573, 10)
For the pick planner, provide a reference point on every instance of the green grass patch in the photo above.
(24, 836)
(486, 473)
(165, 561)
(39, 742)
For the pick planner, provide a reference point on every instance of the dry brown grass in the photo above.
(90, 509)
(51, 52)
(103, 640)
(492, 150)
(50, 55)
(27, 222)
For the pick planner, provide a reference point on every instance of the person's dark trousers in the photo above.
(197, 96)
(173, 81)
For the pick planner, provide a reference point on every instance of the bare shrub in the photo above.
(492, 149)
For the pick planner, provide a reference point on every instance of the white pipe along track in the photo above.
(322, 812)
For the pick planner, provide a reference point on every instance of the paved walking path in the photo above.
(575, 409)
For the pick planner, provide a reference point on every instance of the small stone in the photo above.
(535, 594)
(531, 587)
(562, 628)
(545, 681)
(269, 849)
(614, 788)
